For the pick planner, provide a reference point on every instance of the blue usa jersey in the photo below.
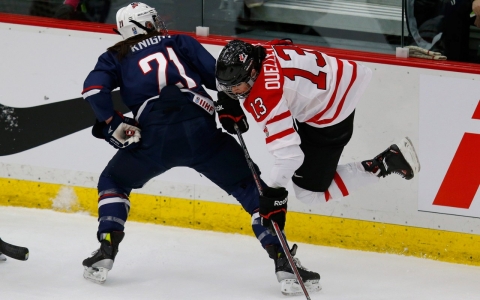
(152, 64)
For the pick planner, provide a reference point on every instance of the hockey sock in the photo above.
(347, 178)
(113, 208)
(264, 235)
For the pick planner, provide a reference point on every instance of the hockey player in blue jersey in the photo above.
(161, 79)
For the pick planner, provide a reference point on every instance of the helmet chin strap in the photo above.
(250, 82)
(138, 24)
(143, 27)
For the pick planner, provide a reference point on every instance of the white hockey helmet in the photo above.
(138, 18)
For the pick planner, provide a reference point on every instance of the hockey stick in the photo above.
(16, 252)
(24, 128)
(275, 225)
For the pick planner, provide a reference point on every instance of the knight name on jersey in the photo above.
(145, 43)
(270, 71)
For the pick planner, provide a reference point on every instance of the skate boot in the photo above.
(2, 257)
(101, 261)
(399, 158)
(286, 276)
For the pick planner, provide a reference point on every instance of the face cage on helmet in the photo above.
(242, 96)
(160, 25)
(227, 88)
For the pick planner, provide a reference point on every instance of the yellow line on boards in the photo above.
(307, 228)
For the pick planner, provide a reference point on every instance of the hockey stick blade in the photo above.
(15, 252)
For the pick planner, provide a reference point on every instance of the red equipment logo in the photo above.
(242, 57)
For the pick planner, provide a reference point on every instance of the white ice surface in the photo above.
(160, 262)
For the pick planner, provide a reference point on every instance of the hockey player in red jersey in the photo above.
(304, 101)
(162, 80)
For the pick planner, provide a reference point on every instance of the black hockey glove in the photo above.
(230, 112)
(273, 207)
(122, 132)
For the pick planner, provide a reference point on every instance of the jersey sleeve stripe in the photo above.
(341, 185)
(90, 93)
(279, 135)
(93, 87)
(279, 117)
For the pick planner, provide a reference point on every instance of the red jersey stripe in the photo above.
(279, 117)
(327, 195)
(318, 116)
(279, 135)
(93, 87)
(340, 105)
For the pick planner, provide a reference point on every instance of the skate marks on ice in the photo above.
(159, 262)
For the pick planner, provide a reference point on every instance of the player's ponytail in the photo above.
(259, 54)
(123, 48)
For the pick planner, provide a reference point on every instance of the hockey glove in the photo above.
(230, 112)
(273, 207)
(122, 132)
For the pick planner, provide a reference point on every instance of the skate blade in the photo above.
(410, 155)
(96, 275)
(290, 287)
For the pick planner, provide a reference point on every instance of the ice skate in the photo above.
(286, 277)
(101, 261)
(399, 158)
(2, 257)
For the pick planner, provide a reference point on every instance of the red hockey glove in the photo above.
(273, 207)
(229, 113)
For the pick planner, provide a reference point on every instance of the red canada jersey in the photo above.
(306, 85)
